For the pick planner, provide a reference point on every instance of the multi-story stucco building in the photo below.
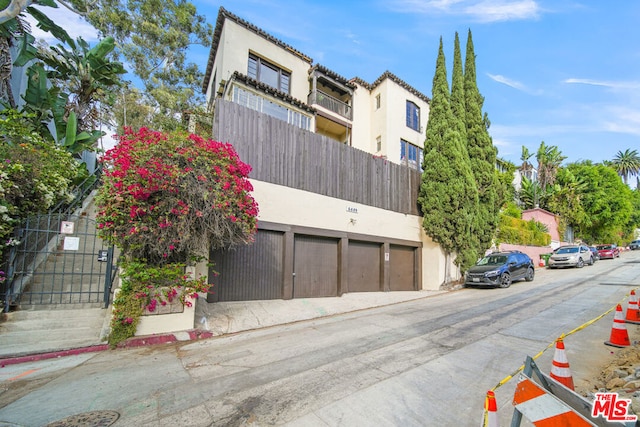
(248, 66)
(363, 247)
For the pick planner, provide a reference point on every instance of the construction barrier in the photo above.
(559, 384)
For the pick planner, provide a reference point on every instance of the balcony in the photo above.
(317, 97)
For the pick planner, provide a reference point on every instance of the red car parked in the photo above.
(608, 251)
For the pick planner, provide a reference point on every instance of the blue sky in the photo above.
(563, 72)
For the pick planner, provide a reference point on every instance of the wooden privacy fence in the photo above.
(283, 154)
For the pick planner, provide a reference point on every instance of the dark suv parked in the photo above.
(634, 245)
(499, 269)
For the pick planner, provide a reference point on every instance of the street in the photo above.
(427, 362)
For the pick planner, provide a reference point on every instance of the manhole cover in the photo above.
(88, 419)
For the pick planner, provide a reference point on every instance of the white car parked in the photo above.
(571, 256)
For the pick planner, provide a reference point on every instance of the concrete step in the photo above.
(38, 331)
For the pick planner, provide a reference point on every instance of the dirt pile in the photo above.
(621, 375)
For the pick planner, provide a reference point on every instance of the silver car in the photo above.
(571, 256)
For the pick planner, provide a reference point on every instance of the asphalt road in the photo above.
(427, 362)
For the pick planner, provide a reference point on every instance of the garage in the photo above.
(252, 272)
(288, 262)
(364, 271)
(315, 267)
(402, 268)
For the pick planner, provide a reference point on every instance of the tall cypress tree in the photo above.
(458, 107)
(482, 154)
(447, 193)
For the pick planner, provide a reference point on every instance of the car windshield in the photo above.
(567, 251)
(601, 247)
(493, 260)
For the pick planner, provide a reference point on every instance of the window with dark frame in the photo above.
(413, 116)
(411, 155)
(377, 101)
(267, 73)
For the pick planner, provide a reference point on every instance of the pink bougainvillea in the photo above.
(167, 197)
(166, 200)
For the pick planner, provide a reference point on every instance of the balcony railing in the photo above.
(330, 103)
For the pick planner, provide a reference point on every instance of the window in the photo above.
(377, 101)
(258, 103)
(268, 73)
(413, 116)
(410, 155)
(379, 144)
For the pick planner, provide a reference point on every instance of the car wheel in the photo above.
(591, 261)
(529, 275)
(580, 263)
(505, 280)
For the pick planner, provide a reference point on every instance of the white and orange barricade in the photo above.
(542, 408)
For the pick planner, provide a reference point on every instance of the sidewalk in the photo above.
(216, 319)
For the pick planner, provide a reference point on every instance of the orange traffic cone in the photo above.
(633, 312)
(619, 336)
(491, 409)
(560, 366)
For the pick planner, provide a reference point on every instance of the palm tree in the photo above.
(549, 159)
(627, 163)
(526, 166)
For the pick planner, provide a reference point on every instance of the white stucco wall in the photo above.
(286, 205)
(233, 55)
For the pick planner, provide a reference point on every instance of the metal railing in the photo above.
(330, 103)
(58, 257)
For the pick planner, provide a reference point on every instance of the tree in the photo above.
(72, 88)
(505, 171)
(167, 199)
(15, 31)
(606, 202)
(549, 160)
(626, 163)
(566, 200)
(525, 166)
(448, 195)
(153, 37)
(35, 174)
(482, 154)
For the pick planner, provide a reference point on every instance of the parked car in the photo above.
(500, 269)
(634, 245)
(571, 256)
(595, 253)
(608, 251)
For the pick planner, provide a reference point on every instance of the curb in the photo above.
(190, 335)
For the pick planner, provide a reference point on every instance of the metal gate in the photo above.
(58, 259)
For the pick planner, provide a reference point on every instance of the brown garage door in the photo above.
(315, 267)
(252, 272)
(364, 269)
(402, 267)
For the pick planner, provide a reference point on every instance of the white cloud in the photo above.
(72, 23)
(480, 11)
(621, 120)
(506, 81)
(492, 11)
(609, 84)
